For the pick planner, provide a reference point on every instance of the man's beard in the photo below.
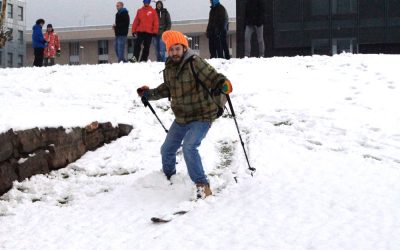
(177, 59)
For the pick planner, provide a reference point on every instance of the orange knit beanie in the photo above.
(172, 37)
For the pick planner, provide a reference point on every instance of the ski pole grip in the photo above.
(145, 101)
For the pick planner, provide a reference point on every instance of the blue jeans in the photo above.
(159, 45)
(192, 134)
(119, 46)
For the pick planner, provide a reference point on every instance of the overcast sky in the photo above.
(72, 13)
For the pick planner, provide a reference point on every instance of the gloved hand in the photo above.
(134, 35)
(227, 87)
(58, 53)
(143, 91)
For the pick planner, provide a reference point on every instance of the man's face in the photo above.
(119, 6)
(159, 6)
(176, 52)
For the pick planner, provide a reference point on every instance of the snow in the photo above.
(323, 133)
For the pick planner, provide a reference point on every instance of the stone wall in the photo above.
(38, 151)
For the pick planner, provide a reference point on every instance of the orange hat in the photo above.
(172, 37)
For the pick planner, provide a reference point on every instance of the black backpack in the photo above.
(216, 95)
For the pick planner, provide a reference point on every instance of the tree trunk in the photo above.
(3, 28)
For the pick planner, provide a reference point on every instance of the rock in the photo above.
(62, 155)
(6, 145)
(36, 164)
(30, 140)
(93, 140)
(60, 136)
(124, 129)
(110, 133)
(7, 176)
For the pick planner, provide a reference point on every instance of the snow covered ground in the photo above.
(323, 133)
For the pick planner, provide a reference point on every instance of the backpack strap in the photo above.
(199, 82)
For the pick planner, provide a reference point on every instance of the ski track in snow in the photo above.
(323, 133)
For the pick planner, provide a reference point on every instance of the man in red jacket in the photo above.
(144, 27)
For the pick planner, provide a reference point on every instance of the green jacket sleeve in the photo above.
(207, 74)
(162, 91)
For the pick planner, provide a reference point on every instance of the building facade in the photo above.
(328, 27)
(13, 54)
(95, 44)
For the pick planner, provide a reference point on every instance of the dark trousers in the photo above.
(145, 39)
(218, 45)
(38, 52)
(49, 62)
(224, 45)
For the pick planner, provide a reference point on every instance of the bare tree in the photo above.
(5, 34)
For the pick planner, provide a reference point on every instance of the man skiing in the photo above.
(193, 108)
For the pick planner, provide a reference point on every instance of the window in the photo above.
(10, 62)
(344, 6)
(74, 53)
(74, 49)
(344, 45)
(11, 31)
(10, 12)
(319, 7)
(103, 47)
(194, 43)
(20, 13)
(20, 60)
(103, 51)
(20, 36)
(320, 47)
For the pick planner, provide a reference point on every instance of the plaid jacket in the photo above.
(189, 101)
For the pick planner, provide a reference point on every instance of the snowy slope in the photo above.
(323, 133)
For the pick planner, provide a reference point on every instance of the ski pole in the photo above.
(240, 136)
(147, 104)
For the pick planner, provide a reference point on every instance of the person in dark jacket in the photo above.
(121, 28)
(164, 24)
(254, 21)
(38, 43)
(194, 113)
(217, 30)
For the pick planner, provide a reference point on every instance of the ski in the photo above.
(166, 220)
(223, 169)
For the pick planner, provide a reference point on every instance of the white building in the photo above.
(13, 54)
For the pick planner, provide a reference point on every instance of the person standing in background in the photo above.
(144, 27)
(217, 29)
(38, 42)
(254, 21)
(121, 28)
(53, 46)
(164, 21)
